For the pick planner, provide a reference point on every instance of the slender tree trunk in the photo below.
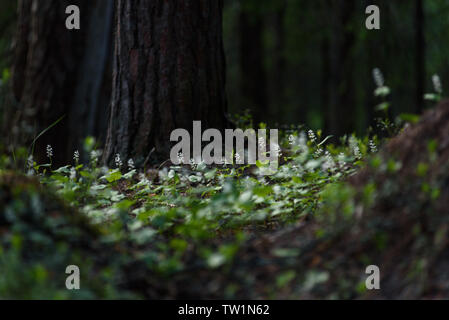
(420, 55)
(58, 73)
(254, 86)
(169, 70)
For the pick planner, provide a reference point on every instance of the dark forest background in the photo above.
(296, 61)
(311, 61)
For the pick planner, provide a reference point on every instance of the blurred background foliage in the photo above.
(317, 58)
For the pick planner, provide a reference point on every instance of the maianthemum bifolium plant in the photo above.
(168, 219)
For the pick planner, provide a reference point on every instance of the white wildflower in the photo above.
(238, 158)
(378, 78)
(118, 161)
(291, 139)
(329, 163)
(372, 146)
(437, 84)
(312, 136)
(76, 156)
(354, 145)
(131, 165)
(49, 151)
(318, 152)
(180, 158)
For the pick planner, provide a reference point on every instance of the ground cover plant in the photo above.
(227, 231)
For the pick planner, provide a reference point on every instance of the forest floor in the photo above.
(308, 231)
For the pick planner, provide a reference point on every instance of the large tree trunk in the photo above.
(59, 73)
(169, 71)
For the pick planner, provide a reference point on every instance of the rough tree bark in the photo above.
(169, 70)
(59, 72)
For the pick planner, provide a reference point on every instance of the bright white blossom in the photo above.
(76, 156)
(318, 152)
(312, 136)
(49, 151)
(131, 165)
(180, 158)
(238, 158)
(291, 139)
(372, 146)
(118, 161)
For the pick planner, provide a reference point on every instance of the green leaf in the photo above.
(114, 176)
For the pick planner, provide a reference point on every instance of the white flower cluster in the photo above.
(329, 164)
(354, 145)
(372, 146)
(291, 139)
(378, 78)
(76, 156)
(312, 136)
(131, 165)
(238, 158)
(118, 161)
(180, 158)
(49, 151)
